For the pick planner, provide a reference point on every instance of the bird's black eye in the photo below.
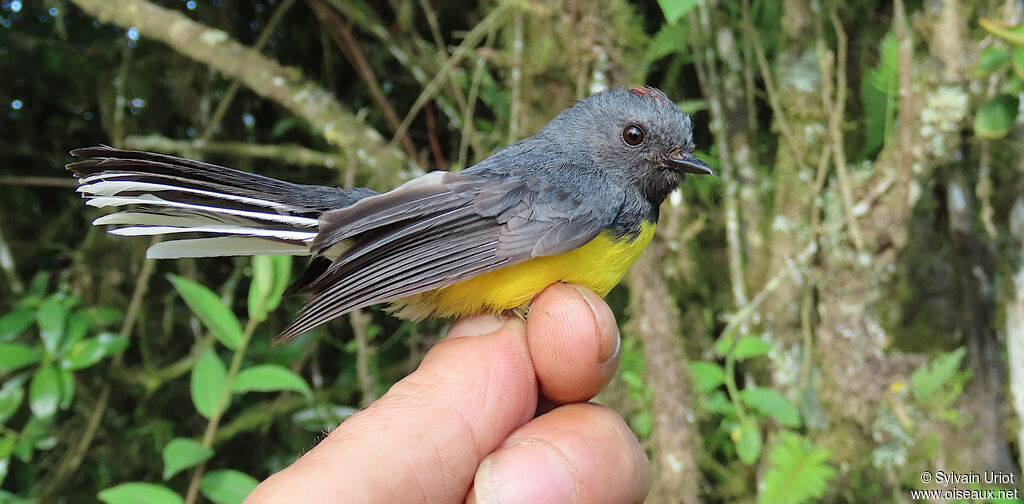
(633, 135)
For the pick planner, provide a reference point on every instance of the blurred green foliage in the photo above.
(198, 394)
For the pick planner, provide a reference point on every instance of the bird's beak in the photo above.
(687, 162)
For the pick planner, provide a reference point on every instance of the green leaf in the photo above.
(879, 93)
(38, 286)
(675, 9)
(670, 39)
(771, 403)
(877, 117)
(750, 346)
(9, 498)
(706, 375)
(182, 453)
(282, 277)
(44, 391)
(79, 324)
(208, 378)
(51, 317)
(929, 378)
(996, 116)
(209, 308)
(12, 393)
(718, 402)
(270, 276)
(16, 355)
(692, 107)
(269, 378)
(642, 424)
(1018, 61)
(991, 60)
(87, 352)
(67, 387)
(885, 76)
(7, 446)
(798, 471)
(283, 126)
(322, 416)
(35, 432)
(259, 289)
(13, 323)
(1012, 34)
(7, 442)
(105, 315)
(748, 442)
(227, 486)
(1014, 84)
(139, 493)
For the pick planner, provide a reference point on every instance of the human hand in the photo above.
(463, 426)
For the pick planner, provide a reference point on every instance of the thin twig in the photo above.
(229, 96)
(435, 144)
(906, 107)
(748, 74)
(836, 135)
(471, 40)
(712, 89)
(10, 269)
(807, 298)
(120, 100)
(264, 76)
(360, 322)
(70, 464)
(741, 315)
(435, 28)
(346, 41)
(283, 153)
(367, 21)
(773, 97)
(515, 95)
(328, 61)
(15, 180)
(442, 52)
(474, 88)
(222, 404)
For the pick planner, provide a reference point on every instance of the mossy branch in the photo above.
(262, 75)
(289, 154)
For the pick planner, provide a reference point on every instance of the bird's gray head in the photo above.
(637, 135)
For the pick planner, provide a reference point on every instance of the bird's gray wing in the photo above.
(443, 228)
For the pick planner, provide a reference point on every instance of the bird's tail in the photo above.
(219, 211)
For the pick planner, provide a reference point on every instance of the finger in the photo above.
(574, 342)
(575, 453)
(427, 435)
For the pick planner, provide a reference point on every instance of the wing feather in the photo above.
(442, 229)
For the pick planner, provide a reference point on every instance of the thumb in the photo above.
(432, 428)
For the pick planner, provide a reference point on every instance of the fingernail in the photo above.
(477, 325)
(525, 472)
(606, 326)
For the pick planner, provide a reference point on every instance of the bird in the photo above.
(577, 202)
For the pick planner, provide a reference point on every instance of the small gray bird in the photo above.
(577, 202)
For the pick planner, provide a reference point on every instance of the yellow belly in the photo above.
(598, 265)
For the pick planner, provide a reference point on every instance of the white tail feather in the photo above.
(152, 219)
(149, 199)
(281, 234)
(115, 187)
(223, 246)
(232, 213)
